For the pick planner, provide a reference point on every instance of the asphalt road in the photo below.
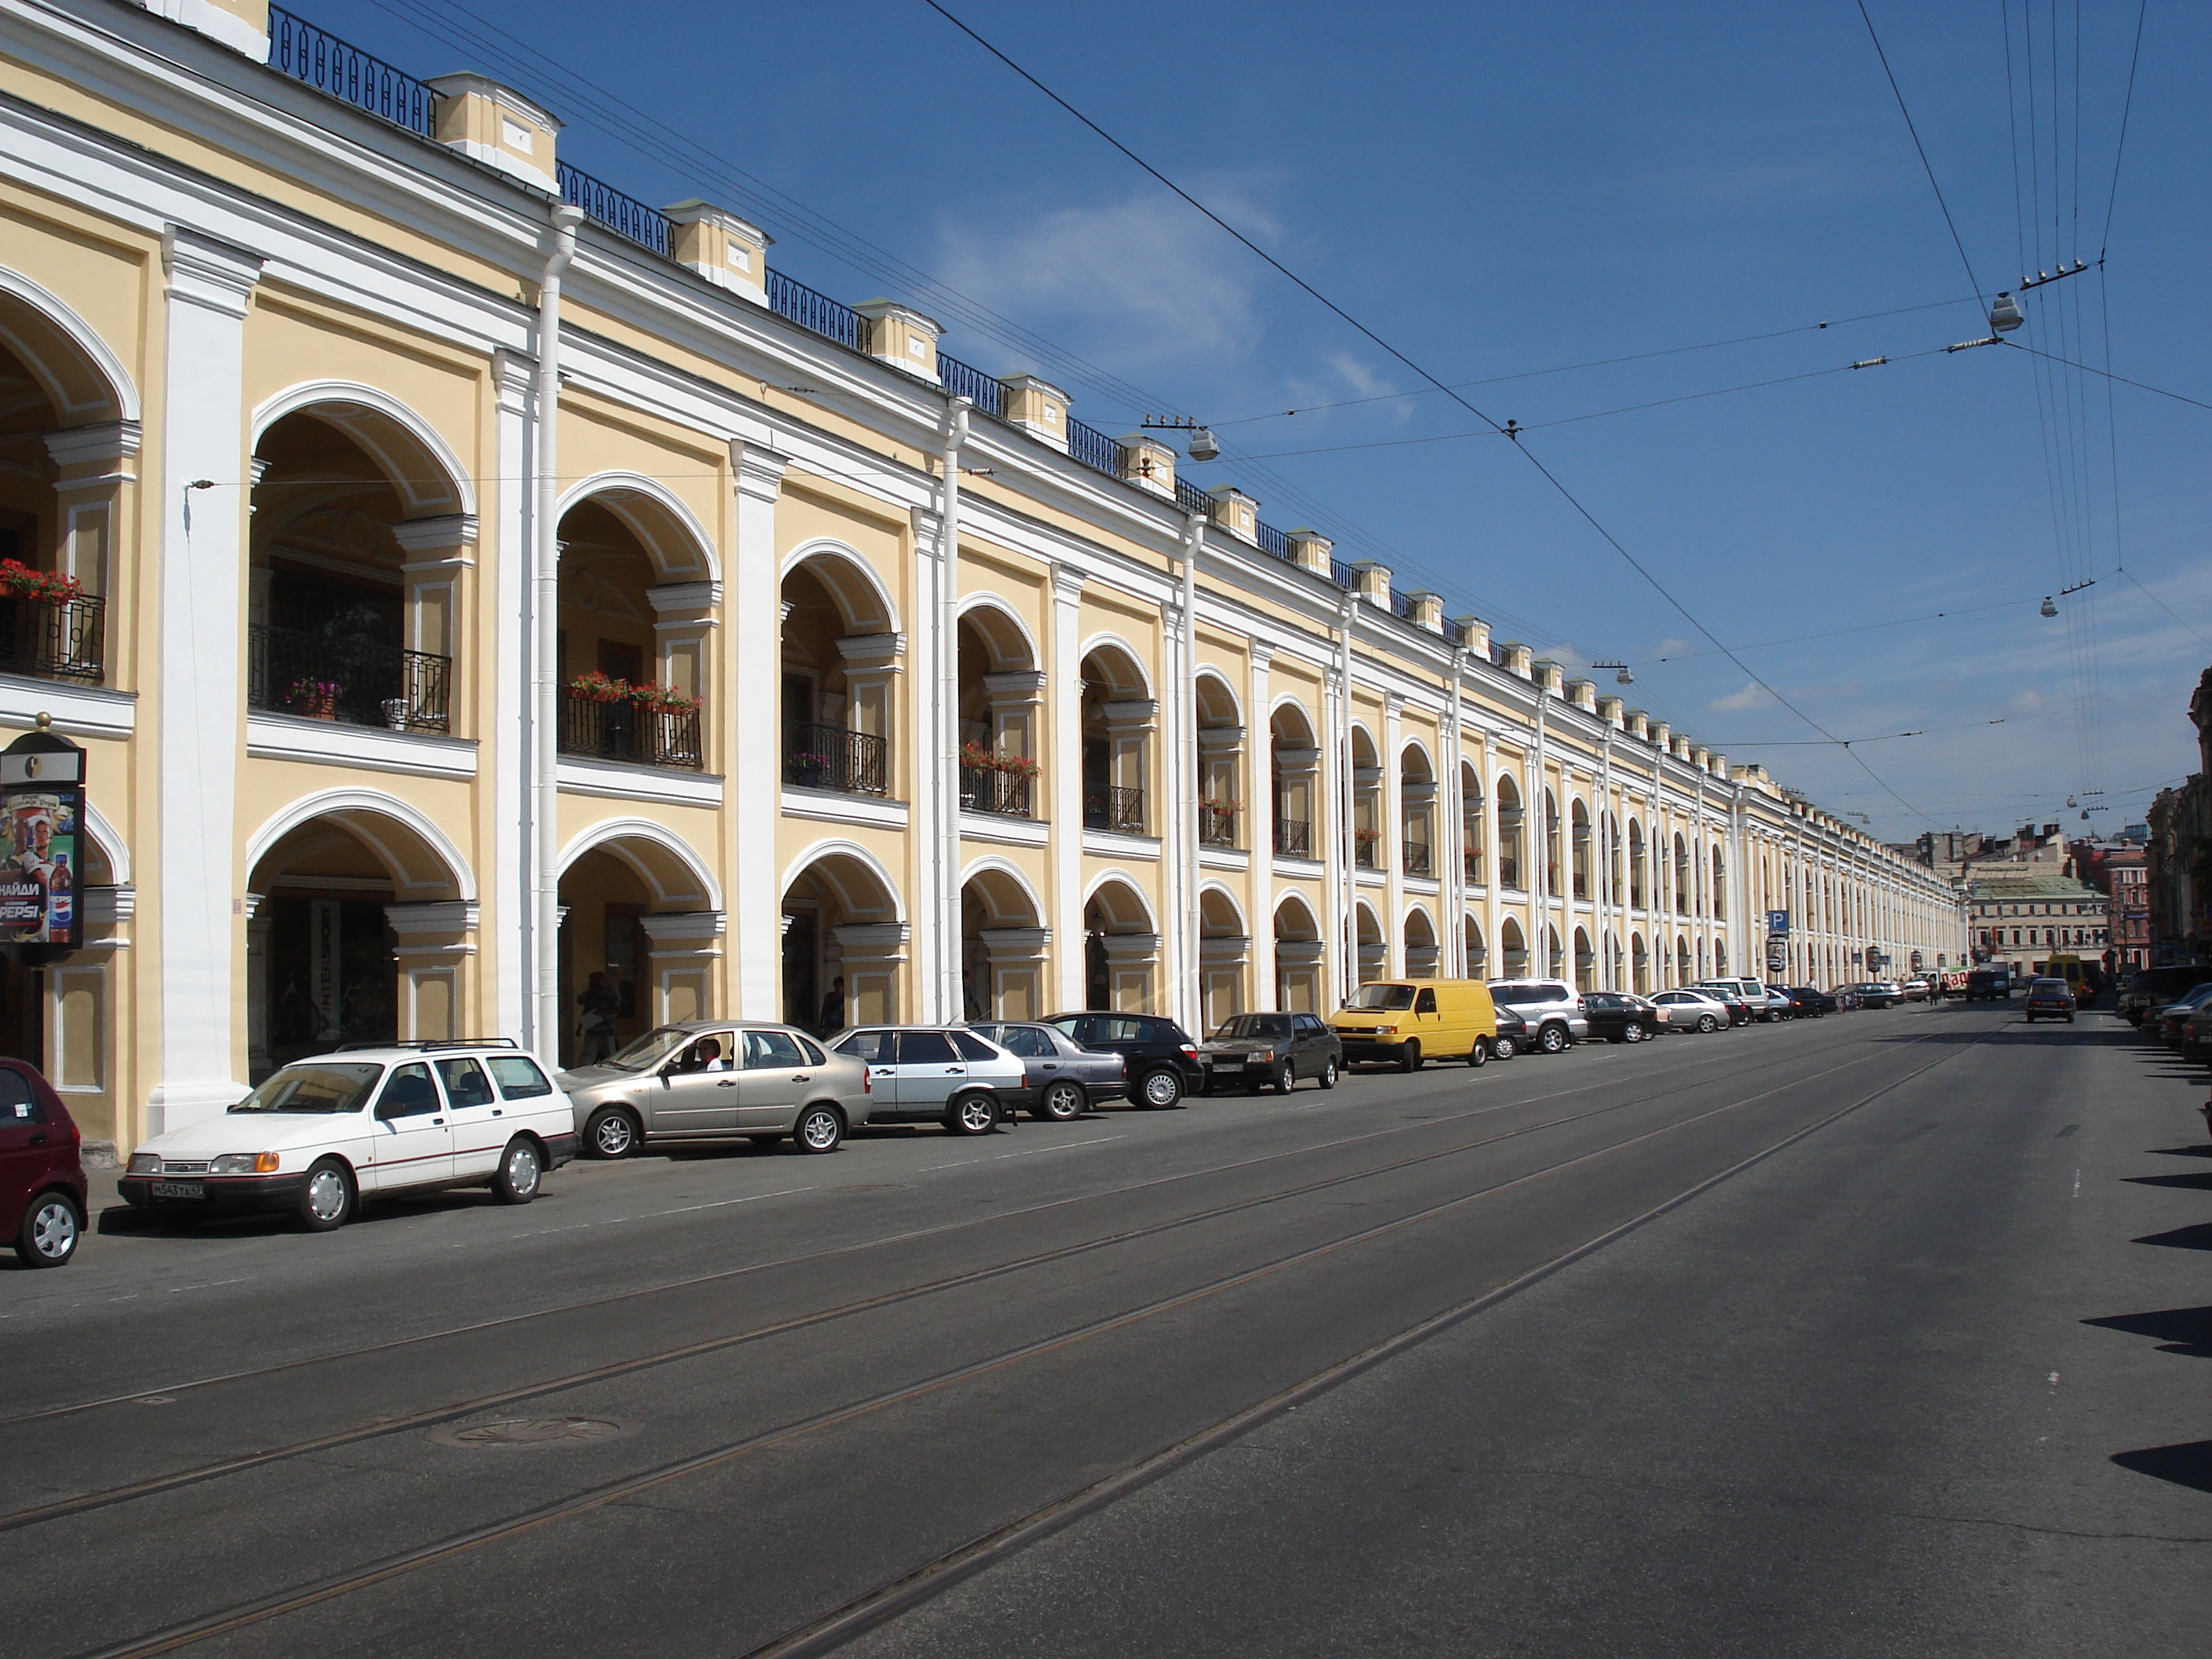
(1882, 1334)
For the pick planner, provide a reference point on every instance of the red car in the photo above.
(42, 1187)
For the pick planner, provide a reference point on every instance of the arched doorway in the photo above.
(1294, 764)
(640, 936)
(1639, 965)
(1003, 943)
(358, 929)
(1218, 756)
(1366, 801)
(1473, 842)
(1512, 949)
(1120, 948)
(1555, 956)
(1373, 956)
(1417, 806)
(1478, 953)
(635, 620)
(1119, 717)
(841, 650)
(1224, 943)
(844, 943)
(1682, 959)
(1298, 951)
(357, 556)
(1001, 694)
(1509, 840)
(1579, 829)
(1421, 951)
(1638, 872)
(1585, 963)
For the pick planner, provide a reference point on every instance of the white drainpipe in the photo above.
(949, 1001)
(545, 1033)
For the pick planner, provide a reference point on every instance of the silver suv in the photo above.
(710, 1079)
(1553, 1008)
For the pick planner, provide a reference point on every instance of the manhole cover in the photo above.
(530, 1431)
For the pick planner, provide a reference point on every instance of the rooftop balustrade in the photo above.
(962, 381)
(327, 64)
(623, 214)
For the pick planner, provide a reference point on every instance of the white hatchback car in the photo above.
(323, 1133)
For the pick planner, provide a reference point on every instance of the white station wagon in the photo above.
(323, 1134)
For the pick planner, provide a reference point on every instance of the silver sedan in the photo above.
(1061, 1078)
(712, 1079)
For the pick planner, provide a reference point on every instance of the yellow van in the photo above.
(1407, 1021)
(2068, 968)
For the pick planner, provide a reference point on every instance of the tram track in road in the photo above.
(822, 1634)
(168, 1392)
(451, 1411)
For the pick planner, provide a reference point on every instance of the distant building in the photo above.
(2024, 918)
(2122, 873)
(2178, 878)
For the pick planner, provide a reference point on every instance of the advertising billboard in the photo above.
(41, 846)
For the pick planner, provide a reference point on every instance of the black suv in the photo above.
(1162, 1060)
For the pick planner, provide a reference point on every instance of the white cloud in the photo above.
(1753, 695)
(1133, 282)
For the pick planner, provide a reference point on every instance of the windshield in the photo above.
(649, 1050)
(1381, 996)
(1253, 1026)
(314, 1089)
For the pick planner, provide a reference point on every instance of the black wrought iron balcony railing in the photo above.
(1415, 858)
(1294, 838)
(632, 732)
(1217, 825)
(986, 789)
(1471, 865)
(353, 681)
(53, 639)
(1122, 811)
(1367, 852)
(316, 56)
(819, 756)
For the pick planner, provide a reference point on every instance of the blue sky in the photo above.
(1499, 190)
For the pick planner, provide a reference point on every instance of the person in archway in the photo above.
(595, 1029)
(832, 1017)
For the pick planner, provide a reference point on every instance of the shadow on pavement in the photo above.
(2200, 1183)
(2204, 1151)
(2176, 1330)
(2199, 1237)
(2188, 1465)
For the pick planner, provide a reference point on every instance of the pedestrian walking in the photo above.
(832, 1018)
(595, 1028)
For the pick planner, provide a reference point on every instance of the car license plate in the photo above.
(180, 1190)
(1228, 1065)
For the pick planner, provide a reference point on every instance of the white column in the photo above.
(1393, 836)
(753, 673)
(917, 737)
(508, 741)
(1064, 711)
(1259, 814)
(202, 599)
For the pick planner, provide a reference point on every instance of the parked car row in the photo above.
(321, 1135)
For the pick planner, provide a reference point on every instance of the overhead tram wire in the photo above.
(1599, 362)
(1550, 478)
(690, 159)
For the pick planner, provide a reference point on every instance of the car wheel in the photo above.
(1062, 1101)
(611, 1133)
(50, 1229)
(1286, 1079)
(1632, 1032)
(326, 1202)
(821, 1129)
(1409, 1056)
(972, 1114)
(1480, 1055)
(2069, 1020)
(1329, 1073)
(1707, 1022)
(1553, 1039)
(521, 1167)
(1161, 1090)
(1502, 1049)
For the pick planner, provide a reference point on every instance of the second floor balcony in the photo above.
(59, 637)
(353, 681)
(1121, 810)
(641, 734)
(1217, 823)
(1416, 859)
(994, 789)
(1294, 838)
(1367, 849)
(819, 756)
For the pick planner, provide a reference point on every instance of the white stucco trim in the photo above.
(611, 833)
(308, 394)
(87, 341)
(332, 802)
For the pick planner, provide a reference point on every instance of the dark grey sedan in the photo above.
(1060, 1081)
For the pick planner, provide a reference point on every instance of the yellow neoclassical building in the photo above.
(479, 582)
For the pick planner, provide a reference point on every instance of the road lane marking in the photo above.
(1065, 1146)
